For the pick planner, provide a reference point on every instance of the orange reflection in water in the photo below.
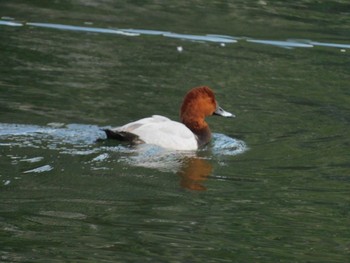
(194, 172)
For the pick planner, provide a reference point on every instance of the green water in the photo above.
(274, 184)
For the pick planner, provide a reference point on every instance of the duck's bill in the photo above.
(221, 112)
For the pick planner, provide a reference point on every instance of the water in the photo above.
(272, 186)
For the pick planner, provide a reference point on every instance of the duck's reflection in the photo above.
(194, 172)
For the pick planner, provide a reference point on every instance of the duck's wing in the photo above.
(130, 127)
(126, 132)
(167, 134)
(157, 130)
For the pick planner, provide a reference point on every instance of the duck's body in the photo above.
(157, 130)
(192, 133)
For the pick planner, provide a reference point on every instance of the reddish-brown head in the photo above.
(198, 103)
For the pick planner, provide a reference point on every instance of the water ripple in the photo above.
(44, 168)
(78, 139)
(225, 145)
(214, 38)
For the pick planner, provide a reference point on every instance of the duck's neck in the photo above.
(200, 129)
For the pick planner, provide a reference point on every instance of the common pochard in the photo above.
(191, 134)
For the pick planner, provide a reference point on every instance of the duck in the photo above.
(190, 134)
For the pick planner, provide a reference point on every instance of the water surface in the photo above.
(273, 185)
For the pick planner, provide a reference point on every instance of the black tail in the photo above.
(123, 136)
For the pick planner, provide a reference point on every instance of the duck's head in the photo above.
(199, 103)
